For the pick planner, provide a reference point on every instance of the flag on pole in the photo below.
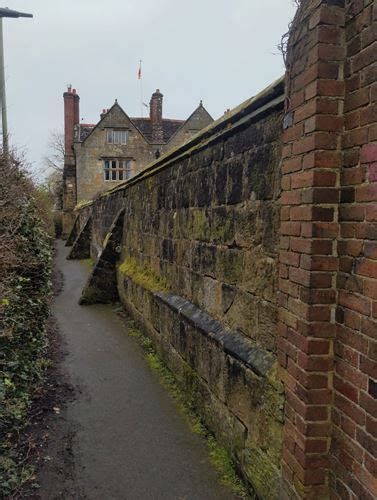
(139, 72)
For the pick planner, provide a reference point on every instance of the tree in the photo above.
(53, 168)
(55, 157)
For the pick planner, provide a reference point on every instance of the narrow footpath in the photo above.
(122, 433)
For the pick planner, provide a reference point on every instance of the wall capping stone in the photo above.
(235, 344)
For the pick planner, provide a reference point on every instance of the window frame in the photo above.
(117, 136)
(123, 132)
(109, 134)
(116, 169)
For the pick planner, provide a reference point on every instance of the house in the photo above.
(99, 156)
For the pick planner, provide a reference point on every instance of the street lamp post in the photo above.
(5, 12)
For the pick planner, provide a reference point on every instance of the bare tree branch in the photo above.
(53, 167)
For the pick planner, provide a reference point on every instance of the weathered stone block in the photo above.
(242, 315)
(229, 265)
(226, 427)
(246, 225)
(267, 320)
(222, 225)
(260, 273)
(221, 183)
(235, 181)
(199, 222)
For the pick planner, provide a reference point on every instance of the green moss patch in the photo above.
(142, 276)
(88, 263)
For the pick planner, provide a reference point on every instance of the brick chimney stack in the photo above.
(155, 107)
(71, 117)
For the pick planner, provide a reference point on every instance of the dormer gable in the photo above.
(197, 121)
(113, 118)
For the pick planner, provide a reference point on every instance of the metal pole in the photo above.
(2, 93)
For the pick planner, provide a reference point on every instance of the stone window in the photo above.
(117, 169)
(116, 136)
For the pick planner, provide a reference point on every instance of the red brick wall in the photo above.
(354, 445)
(308, 253)
(328, 251)
(71, 118)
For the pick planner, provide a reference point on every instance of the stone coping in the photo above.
(233, 343)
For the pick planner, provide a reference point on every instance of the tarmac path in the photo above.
(123, 437)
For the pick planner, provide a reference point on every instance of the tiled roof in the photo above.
(82, 131)
(169, 127)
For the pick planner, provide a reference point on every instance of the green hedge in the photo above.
(25, 274)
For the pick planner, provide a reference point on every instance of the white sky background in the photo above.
(221, 51)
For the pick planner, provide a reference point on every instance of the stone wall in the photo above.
(208, 225)
(197, 269)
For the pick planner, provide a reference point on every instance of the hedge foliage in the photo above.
(25, 286)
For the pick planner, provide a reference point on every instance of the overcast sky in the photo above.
(221, 51)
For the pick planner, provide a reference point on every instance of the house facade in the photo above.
(100, 156)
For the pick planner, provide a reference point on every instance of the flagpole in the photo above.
(141, 89)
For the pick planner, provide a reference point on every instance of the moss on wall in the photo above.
(147, 278)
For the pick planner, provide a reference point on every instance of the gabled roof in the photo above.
(143, 125)
(199, 110)
(85, 130)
